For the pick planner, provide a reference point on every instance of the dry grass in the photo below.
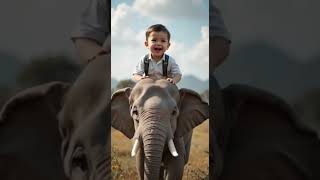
(123, 165)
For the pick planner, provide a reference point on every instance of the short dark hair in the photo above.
(157, 28)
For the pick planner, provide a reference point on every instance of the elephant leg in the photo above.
(174, 170)
(187, 141)
(215, 158)
(140, 163)
(162, 168)
(174, 166)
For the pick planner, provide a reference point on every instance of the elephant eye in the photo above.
(134, 114)
(134, 111)
(79, 160)
(175, 112)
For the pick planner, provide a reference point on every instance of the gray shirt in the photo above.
(155, 68)
(94, 22)
(217, 25)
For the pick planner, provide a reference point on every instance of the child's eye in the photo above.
(153, 40)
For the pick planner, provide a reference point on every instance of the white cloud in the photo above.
(121, 25)
(164, 9)
(128, 47)
(195, 59)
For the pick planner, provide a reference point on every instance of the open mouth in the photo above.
(157, 49)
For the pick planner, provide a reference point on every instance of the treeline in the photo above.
(36, 71)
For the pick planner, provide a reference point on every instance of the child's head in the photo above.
(157, 40)
(157, 28)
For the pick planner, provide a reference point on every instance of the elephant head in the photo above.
(84, 124)
(156, 114)
(29, 136)
(261, 138)
(39, 123)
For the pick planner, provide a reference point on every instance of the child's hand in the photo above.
(144, 77)
(171, 80)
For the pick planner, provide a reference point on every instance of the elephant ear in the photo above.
(52, 92)
(120, 112)
(193, 111)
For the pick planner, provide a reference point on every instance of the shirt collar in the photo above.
(162, 58)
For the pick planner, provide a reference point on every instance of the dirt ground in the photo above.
(123, 165)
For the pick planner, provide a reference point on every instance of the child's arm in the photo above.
(175, 79)
(137, 77)
(175, 71)
(138, 72)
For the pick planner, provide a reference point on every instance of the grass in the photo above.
(123, 165)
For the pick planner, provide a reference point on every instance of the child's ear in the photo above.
(146, 43)
(169, 45)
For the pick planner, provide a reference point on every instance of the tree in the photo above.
(205, 95)
(46, 69)
(123, 84)
(5, 93)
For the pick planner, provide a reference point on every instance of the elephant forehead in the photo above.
(157, 91)
(160, 86)
(166, 84)
(156, 102)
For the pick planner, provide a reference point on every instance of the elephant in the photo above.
(59, 131)
(160, 118)
(260, 137)
(29, 135)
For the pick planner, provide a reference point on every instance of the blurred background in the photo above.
(35, 45)
(275, 46)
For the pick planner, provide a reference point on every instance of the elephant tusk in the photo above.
(135, 148)
(172, 148)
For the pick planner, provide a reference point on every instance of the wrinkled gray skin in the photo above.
(84, 124)
(261, 138)
(153, 112)
(29, 136)
(41, 125)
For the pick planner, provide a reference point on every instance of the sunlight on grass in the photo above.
(123, 165)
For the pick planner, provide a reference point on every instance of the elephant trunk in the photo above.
(101, 163)
(154, 137)
(103, 169)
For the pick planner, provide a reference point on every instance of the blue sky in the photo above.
(187, 21)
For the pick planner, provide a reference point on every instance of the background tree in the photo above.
(205, 95)
(46, 69)
(5, 93)
(124, 83)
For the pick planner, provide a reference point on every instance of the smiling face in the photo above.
(158, 44)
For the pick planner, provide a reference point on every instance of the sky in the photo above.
(36, 27)
(291, 25)
(187, 21)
